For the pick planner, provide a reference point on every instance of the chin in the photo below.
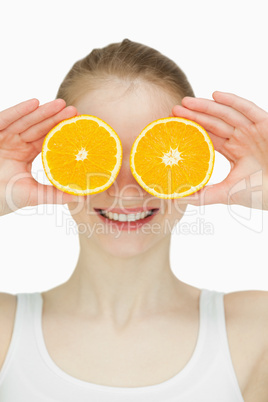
(123, 247)
(126, 246)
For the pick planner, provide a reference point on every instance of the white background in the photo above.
(221, 45)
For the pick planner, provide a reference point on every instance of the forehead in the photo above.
(126, 108)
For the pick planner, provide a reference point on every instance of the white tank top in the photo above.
(30, 375)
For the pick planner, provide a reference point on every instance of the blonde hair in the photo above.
(126, 60)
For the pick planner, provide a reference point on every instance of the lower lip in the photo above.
(132, 225)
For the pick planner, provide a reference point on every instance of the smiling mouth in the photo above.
(130, 217)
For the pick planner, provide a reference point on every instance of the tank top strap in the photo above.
(213, 316)
(210, 314)
(23, 330)
(29, 308)
(214, 305)
(217, 338)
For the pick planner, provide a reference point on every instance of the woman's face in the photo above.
(127, 110)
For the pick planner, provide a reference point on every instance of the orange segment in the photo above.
(82, 155)
(172, 157)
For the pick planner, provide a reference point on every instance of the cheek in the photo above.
(171, 213)
(79, 210)
(177, 209)
(84, 207)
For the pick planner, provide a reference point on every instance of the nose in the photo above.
(125, 185)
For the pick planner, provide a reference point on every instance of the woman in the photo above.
(123, 327)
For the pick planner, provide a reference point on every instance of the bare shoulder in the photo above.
(8, 305)
(246, 314)
(250, 308)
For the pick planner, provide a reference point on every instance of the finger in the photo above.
(38, 131)
(208, 195)
(48, 194)
(220, 111)
(209, 123)
(220, 146)
(42, 113)
(36, 148)
(38, 145)
(16, 112)
(244, 106)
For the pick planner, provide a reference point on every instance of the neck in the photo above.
(123, 289)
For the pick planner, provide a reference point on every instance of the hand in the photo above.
(239, 131)
(22, 131)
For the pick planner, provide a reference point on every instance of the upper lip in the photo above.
(125, 210)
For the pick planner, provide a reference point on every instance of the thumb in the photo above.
(211, 194)
(48, 194)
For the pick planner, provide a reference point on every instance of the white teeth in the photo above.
(126, 217)
(131, 217)
(122, 218)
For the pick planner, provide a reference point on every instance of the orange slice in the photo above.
(82, 155)
(172, 157)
